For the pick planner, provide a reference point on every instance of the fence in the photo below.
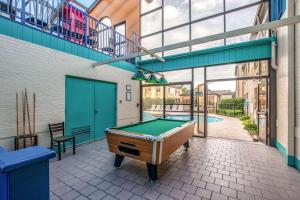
(63, 20)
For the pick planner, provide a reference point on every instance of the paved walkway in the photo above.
(229, 128)
(211, 169)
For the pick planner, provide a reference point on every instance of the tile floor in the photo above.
(210, 169)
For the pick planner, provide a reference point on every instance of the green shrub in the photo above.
(250, 126)
(232, 104)
(244, 118)
(228, 112)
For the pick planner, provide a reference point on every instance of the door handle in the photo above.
(96, 110)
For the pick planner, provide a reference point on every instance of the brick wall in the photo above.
(42, 70)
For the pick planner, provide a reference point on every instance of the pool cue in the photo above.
(17, 114)
(33, 131)
(24, 119)
(28, 116)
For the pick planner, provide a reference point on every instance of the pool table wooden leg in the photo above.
(118, 160)
(152, 171)
(186, 145)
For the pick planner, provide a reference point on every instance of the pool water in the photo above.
(210, 119)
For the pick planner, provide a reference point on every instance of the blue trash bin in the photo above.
(24, 174)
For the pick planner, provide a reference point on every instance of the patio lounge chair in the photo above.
(153, 107)
(180, 108)
(168, 107)
(174, 108)
(158, 108)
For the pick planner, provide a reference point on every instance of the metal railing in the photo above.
(63, 20)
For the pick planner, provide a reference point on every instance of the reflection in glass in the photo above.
(208, 27)
(178, 75)
(151, 42)
(151, 23)
(238, 39)
(176, 35)
(176, 51)
(231, 4)
(176, 12)
(147, 5)
(249, 69)
(205, 8)
(241, 19)
(208, 45)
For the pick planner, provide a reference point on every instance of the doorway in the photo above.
(233, 98)
(90, 108)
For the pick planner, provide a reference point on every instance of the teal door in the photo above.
(90, 108)
(105, 107)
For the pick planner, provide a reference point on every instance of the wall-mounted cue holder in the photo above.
(23, 138)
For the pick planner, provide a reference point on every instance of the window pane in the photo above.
(178, 75)
(121, 28)
(152, 102)
(204, 8)
(241, 18)
(177, 35)
(176, 51)
(248, 69)
(176, 12)
(208, 45)
(147, 57)
(208, 27)
(152, 42)
(231, 4)
(238, 39)
(151, 23)
(149, 5)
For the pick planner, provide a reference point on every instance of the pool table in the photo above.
(149, 141)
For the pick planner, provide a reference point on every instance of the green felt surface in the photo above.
(154, 127)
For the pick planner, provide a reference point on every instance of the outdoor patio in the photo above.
(211, 169)
(228, 128)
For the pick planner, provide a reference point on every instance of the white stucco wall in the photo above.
(282, 86)
(43, 70)
(297, 81)
(288, 83)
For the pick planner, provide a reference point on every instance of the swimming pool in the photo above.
(210, 119)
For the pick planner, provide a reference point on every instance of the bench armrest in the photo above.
(13, 160)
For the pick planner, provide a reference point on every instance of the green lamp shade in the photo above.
(163, 80)
(152, 79)
(139, 76)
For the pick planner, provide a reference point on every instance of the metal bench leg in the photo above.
(59, 151)
(64, 145)
(73, 146)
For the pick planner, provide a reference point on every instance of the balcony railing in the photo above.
(63, 20)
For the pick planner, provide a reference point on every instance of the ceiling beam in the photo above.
(242, 31)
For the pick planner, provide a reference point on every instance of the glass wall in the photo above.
(165, 22)
(152, 102)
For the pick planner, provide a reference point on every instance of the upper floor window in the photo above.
(106, 21)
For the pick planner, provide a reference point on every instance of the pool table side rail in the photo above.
(151, 150)
(147, 136)
(172, 142)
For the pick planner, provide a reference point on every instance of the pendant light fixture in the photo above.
(152, 79)
(163, 80)
(139, 76)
